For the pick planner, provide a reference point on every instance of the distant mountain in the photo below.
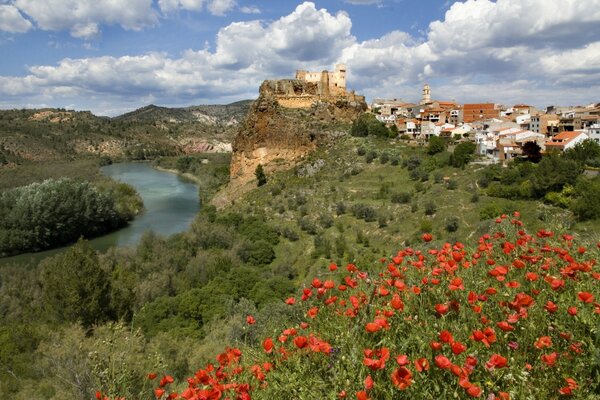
(151, 131)
(228, 114)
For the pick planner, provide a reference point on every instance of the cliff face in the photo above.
(287, 121)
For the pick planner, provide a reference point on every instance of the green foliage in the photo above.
(402, 198)
(75, 287)
(360, 127)
(586, 152)
(363, 211)
(586, 204)
(462, 155)
(436, 145)
(430, 208)
(261, 178)
(56, 212)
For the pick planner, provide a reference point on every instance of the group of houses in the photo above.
(499, 132)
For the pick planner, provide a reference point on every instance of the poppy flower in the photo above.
(290, 301)
(158, 392)
(402, 360)
(362, 395)
(586, 297)
(474, 391)
(427, 237)
(458, 348)
(167, 379)
(333, 267)
(312, 312)
(372, 327)
(268, 345)
(442, 362)
(549, 359)
(300, 342)
(505, 326)
(152, 376)
(401, 378)
(496, 361)
(543, 342)
(422, 364)
(441, 309)
(368, 382)
(250, 320)
(446, 336)
(572, 311)
(456, 284)
(551, 307)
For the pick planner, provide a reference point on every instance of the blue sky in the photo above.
(110, 58)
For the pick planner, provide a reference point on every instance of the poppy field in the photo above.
(509, 315)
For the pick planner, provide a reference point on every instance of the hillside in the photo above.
(353, 200)
(58, 134)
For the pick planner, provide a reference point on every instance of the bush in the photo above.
(340, 208)
(452, 224)
(384, 157)
(261, 178)
(371, 155)
(463, 154)
(430, 208)
(436, 145)
(402, 198)
(363, 211)
(361, 151)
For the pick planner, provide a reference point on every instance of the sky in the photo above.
(113, 56)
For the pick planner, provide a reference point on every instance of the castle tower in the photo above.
(325, 84)
(339, 80)
(426, 94)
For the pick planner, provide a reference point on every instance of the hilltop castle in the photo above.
(310, 87)
(329, 83)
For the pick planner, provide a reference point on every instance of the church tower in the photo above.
(426, 94)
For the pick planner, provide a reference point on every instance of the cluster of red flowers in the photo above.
(524, 305)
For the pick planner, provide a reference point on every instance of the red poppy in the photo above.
(368, 382)
(542, 342)
(551, 307)
(442, 362)
(362, 395)
(427, 237)
(496, 361)
(312, 313)
(268, 345)
(474, 391)
(151, 376)
(456, 284)
(505, 326)
(402, 360)
(586, 297)
(290, 301)
(300, 342)
(422, 364)
(250, 320)
(333, 267)
(372, 327)
(549, 359)
(572, 311)
(458, 348)
(158, 392)
(446, 336)
(441, 309)
(401, 378)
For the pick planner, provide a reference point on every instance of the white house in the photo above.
(593, 132)
(566, 140)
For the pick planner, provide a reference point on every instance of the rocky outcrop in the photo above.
(278, 135)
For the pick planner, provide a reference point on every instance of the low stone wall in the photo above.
(296, 101)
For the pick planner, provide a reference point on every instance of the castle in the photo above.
(329, 83)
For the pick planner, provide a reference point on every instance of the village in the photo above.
(500, 132)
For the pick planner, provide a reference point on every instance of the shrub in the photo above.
(436, 145)
(452, 224)
(430, 208)
(402, 198)
(363, 211)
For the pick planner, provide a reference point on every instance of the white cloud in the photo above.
(481, 51)
(12, 21)
(250, 10)
(83, 17)
(220, 7)
(215, 7)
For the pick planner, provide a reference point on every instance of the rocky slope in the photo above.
(285, 123)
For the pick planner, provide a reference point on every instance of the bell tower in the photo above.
(426, 94)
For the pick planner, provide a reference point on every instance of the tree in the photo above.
(75, 287)
(260, 175)
(586, 205)
(436, 145)
(584, 151)
(360, 127)
(462, 155)
(532, 151)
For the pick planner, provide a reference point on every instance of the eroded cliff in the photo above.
(287, 121)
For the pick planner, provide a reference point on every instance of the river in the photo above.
(171, 203)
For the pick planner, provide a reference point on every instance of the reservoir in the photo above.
(170, 205)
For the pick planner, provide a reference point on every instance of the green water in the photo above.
(170, 202)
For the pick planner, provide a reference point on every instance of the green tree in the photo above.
(532, 151)
(462, 155)
(260, 175)
(360, 128)
(436, 145)
(75, 287)
(587, 195)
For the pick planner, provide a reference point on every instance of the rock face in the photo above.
(287, 121)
